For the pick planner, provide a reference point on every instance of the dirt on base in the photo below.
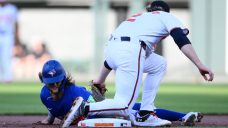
(27, 121)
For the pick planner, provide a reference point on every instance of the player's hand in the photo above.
(98, 91)
(207, 74)
(44, 122)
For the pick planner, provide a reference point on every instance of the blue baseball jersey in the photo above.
(61, 107)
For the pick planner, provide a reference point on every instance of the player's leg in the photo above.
(7, 52)
(169, 115)
(163, 113)
(126, 58)
(1, 60)
(187, 119)
(155, 67)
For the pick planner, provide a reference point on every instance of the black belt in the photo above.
(126, 38)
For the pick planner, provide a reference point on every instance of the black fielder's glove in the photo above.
(98, 91)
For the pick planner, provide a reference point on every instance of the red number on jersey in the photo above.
(133, 18)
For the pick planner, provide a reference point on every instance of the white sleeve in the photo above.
(171, 22)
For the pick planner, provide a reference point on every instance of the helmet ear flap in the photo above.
(40, 77)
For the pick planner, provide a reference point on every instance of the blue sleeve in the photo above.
(42, 96)
(80, 91)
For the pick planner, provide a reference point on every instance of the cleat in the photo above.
(189, 119)
(76, 113)
(148, 120)
(199, 116)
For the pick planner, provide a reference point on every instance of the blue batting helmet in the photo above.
(53, 72)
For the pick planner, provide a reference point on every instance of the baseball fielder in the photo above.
(8, 29)
(60, 92)
(129, 53)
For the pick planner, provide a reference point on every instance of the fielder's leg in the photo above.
(155, 67)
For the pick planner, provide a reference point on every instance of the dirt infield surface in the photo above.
(19, 121)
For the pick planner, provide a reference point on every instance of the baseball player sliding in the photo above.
(60, 96)
(129, 53)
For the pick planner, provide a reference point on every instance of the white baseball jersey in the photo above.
(8, 18)
(150, 27)
(127, 57)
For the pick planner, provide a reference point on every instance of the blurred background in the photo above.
(76, 31)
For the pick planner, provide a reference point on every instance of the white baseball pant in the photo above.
(155, 67)
(127, 59)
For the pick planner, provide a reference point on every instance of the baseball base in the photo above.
(104, 122)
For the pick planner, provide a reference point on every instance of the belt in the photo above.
(127, 38)
(122, 38)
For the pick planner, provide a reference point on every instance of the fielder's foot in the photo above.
(76, 112)
(148, 120)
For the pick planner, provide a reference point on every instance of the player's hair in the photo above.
(53, 72)
(158, 5)
(69, 80)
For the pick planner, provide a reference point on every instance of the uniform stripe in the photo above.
(111, 109)
(139, 57)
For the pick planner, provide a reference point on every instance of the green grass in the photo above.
(23, 98)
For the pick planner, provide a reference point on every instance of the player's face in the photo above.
(54, 87)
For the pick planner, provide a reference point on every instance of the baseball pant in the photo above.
(6, 54)
(155, 67)
(127, 59)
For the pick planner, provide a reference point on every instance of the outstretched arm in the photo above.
(103, 75)
(98, 88)
(191, 54)
(185, 46)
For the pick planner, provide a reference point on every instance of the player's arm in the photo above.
(179, 37)
(103, 74)
(185, 46)
(49, 120)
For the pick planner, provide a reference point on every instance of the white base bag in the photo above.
(104, 122)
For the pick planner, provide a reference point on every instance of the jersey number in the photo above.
(133, 18)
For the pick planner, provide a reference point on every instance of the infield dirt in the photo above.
(27, 121)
